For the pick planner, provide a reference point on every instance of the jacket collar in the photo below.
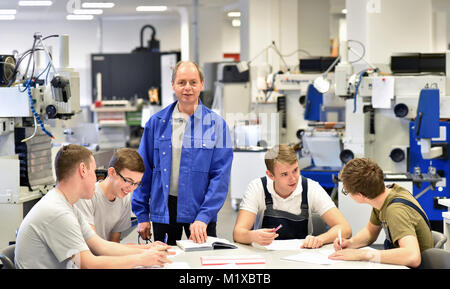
(167, 113)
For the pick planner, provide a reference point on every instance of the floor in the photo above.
(225, 224)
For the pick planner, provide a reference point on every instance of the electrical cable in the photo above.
(357, 88)
(36, 115)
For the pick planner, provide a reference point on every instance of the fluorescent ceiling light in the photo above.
(151, 8)
(8, 11)
(87, 11)
(7, 17)
(79, 17)
(234, 14)
(236, 23)
(35, 3)
(98, 5)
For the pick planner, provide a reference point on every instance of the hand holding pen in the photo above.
(340, 243)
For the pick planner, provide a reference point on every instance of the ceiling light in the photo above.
(8, 11)
(87, 11)
(151, 8)
(234, 14)
(7, 17)
(236, 23)
(35, 3)
(79, 17)
(98, 5)
(344, 11)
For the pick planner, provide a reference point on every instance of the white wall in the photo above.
(314, 27)
(392, 31)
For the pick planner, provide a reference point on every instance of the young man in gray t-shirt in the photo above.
(109, 210)
(55, 235)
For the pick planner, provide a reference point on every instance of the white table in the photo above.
(273, 260)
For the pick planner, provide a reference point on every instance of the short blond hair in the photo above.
(280, 153)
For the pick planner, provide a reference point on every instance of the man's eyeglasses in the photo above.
(130, 182)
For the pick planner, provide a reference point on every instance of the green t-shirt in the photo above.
(402, 219)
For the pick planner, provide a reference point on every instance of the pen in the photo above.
(340, 238)
(277, 228)
(165, 239)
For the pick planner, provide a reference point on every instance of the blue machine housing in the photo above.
(314, 101)
(442, 165)
(322, 175)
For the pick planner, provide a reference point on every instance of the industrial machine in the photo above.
(400, 120)
(30, 97)
(312, 118)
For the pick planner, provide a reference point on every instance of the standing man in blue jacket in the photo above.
(187, 153)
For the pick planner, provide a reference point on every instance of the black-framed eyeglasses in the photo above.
(129, 182)
(344, 191)
(146, 241)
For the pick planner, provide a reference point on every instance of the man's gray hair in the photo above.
(175, 70)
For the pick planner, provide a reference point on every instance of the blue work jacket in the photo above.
(205, 167)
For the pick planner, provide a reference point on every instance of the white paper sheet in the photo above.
(319, 257)
(284, 245)
(382, 91)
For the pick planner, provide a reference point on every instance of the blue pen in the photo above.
(165, 238)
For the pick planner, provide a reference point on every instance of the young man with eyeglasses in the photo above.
(109, 210)
(54, 234)
(408, 232)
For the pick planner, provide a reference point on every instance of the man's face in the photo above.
(187, 84)
(125, 182)
(90, 179)
(285, 178)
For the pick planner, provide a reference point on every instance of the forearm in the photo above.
(398, 256)
(243, 236)
(116, 249)
(362, 238)
(89, 261)
(332, 233)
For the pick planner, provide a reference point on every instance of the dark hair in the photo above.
(127, 158)
(68, 158)
(364, 176)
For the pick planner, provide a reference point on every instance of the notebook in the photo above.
(211, 243)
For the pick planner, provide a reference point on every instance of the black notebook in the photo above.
(211, 243)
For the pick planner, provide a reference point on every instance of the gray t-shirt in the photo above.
(105, 215)
(50, 234)
(179, 124)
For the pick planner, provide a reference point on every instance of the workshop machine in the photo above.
(31, 94)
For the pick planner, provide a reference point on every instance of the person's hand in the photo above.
(264, 237)
(346, 243)
(198, 232)
(312, 242)
(156, 244)
(144, 229)
(353, 255)
(156, 256)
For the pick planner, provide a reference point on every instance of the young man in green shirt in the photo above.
(407, 228)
